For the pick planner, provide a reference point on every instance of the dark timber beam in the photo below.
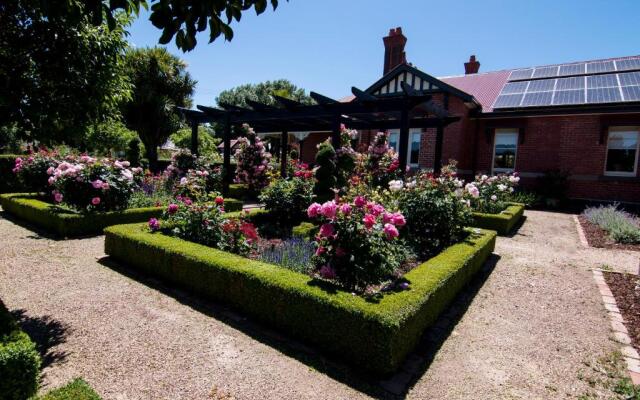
(284, 144)
(257, 106)
(194, 137)
(287, 103)
(404, 139)
(437, 159)
(226, 157)
(231, 107)
(362, 95)
(320, 99)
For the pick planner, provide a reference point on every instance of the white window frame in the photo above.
(504, 131)
(635, 163)
(412, 132)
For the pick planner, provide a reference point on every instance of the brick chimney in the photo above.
(394, 49)
(471, 67)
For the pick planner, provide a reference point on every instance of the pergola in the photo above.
(411, 109)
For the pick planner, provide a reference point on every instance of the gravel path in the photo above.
(526, 334)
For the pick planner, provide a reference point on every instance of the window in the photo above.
(414, 145)
(505, 150)
(622, 151)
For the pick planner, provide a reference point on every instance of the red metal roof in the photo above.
(485, 87)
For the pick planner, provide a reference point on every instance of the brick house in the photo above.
(581, 117)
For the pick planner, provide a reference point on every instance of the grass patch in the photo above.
(372, 334)
(75, 390)
(503, 222)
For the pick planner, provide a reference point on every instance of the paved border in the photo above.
(620, 333)
(581, 235)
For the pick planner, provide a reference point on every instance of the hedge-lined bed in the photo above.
(373, 335)
(66, 223)
(19, 359)
(503, 222)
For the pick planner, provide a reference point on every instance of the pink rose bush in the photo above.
(33, 170)
(252, 160)
(358, 242)
(381, 164)
(90, 184)
(490, 194)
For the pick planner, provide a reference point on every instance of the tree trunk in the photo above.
(152, 155)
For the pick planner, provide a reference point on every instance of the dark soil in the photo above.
(597, 237)
(626, 290)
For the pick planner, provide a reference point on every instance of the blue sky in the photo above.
(330, 45)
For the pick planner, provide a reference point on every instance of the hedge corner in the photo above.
(66, 223)
(19, 359)
(372, 335)
(503, 222)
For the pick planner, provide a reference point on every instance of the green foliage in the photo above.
(9, 138)
(435, 214)
(133, 152)
(503, 222)
(207, 142)
(238, 191)
(326, 172)
(529, 199)
(59, 76)
(161, 83)
(77, 389)
(621, 226)
(262, 92)
(303, 307)
(108, 138)
(306, 230)
(19, 360)
(32, 171)
(66, 223)
(287, 200)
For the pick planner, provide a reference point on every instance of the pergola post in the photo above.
(437, 158)
(284, 143)
(404, 138)
(335, 132)
(226, 158)
(194, 136)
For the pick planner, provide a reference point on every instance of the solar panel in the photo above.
(572, 69)
(543, 85)
(631, 93)
(630, 79)
(600, 66)
(565, 97)
(602, 81)
(537, 99)
(521, 74)
(545, 72)
(603, 95)
(627, 64)
(575, 82)
(508, 101)
(515, 87)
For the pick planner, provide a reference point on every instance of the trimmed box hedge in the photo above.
(19, 360)
(66, 223)
(374, 336)
(503, 222)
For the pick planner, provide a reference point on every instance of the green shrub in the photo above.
(306, 230)
(326, 172)
(529, 199)
(373, 335)
(238, 191)
(9, 181)
(77, 389)
(503, 223)
(287, 200)
(621, 226)
(133, 152)
(19, 360)
(66, 223)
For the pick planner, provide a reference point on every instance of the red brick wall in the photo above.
(310, 146)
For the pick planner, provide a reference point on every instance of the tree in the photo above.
(176, 18)
(262, 92)
(58, 76)
(160, 84)
(207, 142)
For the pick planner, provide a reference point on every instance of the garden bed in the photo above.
(627, 294)
(503, 222)
(598, 237)
(373, 334)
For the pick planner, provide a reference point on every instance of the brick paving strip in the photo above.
(620, 332)
(581, 235)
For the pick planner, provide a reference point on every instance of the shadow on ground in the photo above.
(37, 232)
(46, 333)
(393, 387)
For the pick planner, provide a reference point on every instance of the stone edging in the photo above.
(620, 333)
(581, 235)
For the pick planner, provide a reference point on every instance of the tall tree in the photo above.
(161, 83)
(58, 76)
(262, 92)
(176, 18)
